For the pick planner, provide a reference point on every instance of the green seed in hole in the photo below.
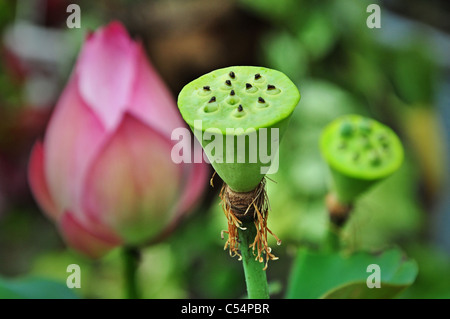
(211, 108)
(232, 100)
(383, 140)
(365, 126)
(346, 129)
(374, 158)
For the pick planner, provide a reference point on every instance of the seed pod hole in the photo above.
(374, 158)
(272, 89)
(261, 103)
(365, 127)
(346, 129)
(239, 112)
(383, 140)
(205, 91)
(258, 78)
(250, 88)
(232, 100)
(211, 108)
(226, 85)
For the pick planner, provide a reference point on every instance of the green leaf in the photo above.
(34, 288)
(335, 275)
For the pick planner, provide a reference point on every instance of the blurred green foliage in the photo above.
(336, 276)
(34, 288)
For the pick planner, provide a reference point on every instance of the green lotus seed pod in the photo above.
(244, 112)
(359, 152)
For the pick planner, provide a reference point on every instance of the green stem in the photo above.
(255, 276)
(131, 262)
(333, 240)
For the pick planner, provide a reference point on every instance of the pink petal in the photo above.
(197, 181)
(73, 137)
(106, 68)
(83, 239)
(38, 184)
(151, 100)
(195, 184)
(133, 184)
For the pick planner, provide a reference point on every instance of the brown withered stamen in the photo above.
(213, 99)
(240, 208)
(338, 212)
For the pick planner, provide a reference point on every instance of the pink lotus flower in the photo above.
(104, 172)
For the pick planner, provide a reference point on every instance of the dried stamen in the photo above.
(248, 206)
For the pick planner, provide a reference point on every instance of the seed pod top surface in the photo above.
(238, 97)
(361, 148)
